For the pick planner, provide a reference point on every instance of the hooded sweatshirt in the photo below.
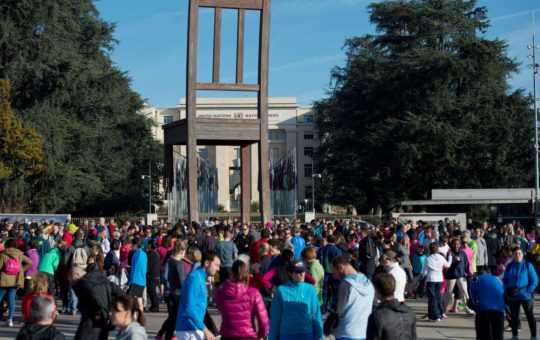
(392, 320)
(134, 331)
(355, 299)
(237, 303)
(295, 312)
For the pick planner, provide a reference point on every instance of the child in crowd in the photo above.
(39, 286)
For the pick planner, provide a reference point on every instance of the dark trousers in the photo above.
(52, 287)
(493, 270)
(329, 293)
(91, 330)
(489, 325)
(63, 281)
(168, 326)
(514, 315)
(152, 285)
(434, 298)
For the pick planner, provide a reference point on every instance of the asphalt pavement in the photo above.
(457, 326)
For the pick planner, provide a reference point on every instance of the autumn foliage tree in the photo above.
(21, 153)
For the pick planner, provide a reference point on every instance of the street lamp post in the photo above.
(149, 186)
(535, 67)
(313, 189)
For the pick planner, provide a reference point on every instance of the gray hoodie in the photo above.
(481, 252)
(132, 332)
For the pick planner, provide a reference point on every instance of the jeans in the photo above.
(329, 293)
(489, 325)
(514, 314)
(11, 292)
(73, 300)
(434, 297)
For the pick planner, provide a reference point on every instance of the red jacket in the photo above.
(237, 303)
(27, 300)
(254, 250)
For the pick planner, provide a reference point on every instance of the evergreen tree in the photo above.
(423, 104)
(96, 145)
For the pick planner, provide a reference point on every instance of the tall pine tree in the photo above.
(423, 104)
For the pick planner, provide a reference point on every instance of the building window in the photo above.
(308, 135)
(308, 118)
(203, 152)
(308, 170)
(308, 151)
(309, 192)
(277, 135)
(167, 119)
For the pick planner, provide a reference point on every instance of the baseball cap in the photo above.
(296, 267)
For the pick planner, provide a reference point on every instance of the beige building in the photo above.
(290, 126)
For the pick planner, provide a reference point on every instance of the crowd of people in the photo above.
(282, 280)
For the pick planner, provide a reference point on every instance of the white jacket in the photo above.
(401, 280)
(434, 267)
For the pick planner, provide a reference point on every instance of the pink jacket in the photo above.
(237, 303)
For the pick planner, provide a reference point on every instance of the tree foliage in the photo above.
(424, 103)
(20, 146)
(96, 145)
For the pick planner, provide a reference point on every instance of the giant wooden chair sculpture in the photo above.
(192, 131)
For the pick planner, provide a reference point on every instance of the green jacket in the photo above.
(474, 248)
(317, 271)
(49, 262)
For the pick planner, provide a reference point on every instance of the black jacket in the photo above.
(367, 253)
(494, 248)
(152, 265)
(243, 243)
(38, 332)
(391, 321)
(95, 295)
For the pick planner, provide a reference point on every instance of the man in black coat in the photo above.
(95, 295)
(244, 240)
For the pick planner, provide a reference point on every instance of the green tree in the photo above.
(422, 104)
(96, 145)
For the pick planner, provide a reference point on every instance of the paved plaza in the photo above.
(457, 326)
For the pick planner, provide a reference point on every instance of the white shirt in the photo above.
(434, 267)
(444, 249)
(401, 280)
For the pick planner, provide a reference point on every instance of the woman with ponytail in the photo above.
(126, 316)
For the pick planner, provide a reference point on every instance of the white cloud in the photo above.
(514, 15)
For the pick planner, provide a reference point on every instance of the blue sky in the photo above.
(306, 42)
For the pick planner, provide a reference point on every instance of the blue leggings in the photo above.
(11, 291)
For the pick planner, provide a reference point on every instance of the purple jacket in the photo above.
(237, 303)
(33, 255)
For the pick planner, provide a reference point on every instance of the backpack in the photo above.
(80, 256)
(12, 266)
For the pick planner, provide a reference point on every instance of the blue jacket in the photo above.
(355, 299)
(193, 302)
(295, 311)
(139, 262)
(459, 268)
(326, 254)
(487, 293)
(523, 276)
(299, 244)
